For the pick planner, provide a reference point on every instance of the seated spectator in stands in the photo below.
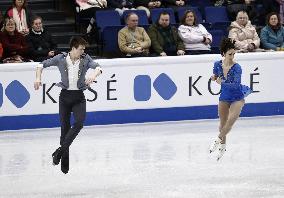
(40, 41)
(14, 43)
(281, 11)
(194, 35)
(147, 5)
(21, 15)
(165, 40)
(174, 4)
(272, 35)
(88, 8)
(243, 33)
(234, 6)
(121, 5)
(133, 41)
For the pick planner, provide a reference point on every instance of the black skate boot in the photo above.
(65, 162)
(56, 156)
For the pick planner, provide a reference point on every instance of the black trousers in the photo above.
(71, 101)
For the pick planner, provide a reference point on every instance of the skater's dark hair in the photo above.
(226, 45)
(75, 41)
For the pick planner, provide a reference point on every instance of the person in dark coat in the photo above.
(41, 45)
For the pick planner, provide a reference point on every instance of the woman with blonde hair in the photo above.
(14, 44)
(244, 33)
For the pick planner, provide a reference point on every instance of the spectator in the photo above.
(21, 15)
(88, 8)
(121, 5)
(174, 4)
(243, 33)
(281, 11)
(40, 41)
(14, 43)
(234, 6)
(164, 37)
(194, 35)
(147, 5)
(272, 35)
(133, 41)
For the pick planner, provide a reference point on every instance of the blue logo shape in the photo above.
(1, 95)
(142, 88)
(165, 87)
(17, 94)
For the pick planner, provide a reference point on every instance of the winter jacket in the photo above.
(14, 44)
(193, 37)
(271, 39)
(244, 35)
(157, 39)
(40, 45)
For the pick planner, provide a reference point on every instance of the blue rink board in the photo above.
(139, 116)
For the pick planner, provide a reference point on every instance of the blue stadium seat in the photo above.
(143, 19)
(107, 18)
(216, 14)
(156, 12)
(110, 39)
(182, 10)
(217, 36)
(200, 3)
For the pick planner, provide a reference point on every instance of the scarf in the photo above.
(20, 19)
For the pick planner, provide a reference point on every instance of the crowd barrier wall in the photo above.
(140, 90)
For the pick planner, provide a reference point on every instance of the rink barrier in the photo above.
(139, 116)
(139, 90)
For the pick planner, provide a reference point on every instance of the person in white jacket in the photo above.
(194, 35)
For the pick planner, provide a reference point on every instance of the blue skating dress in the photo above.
(231, 88)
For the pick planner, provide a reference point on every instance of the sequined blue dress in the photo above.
(231, 88)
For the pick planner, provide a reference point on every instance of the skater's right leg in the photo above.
(65, 110)
(223, 112)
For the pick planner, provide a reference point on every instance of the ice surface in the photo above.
(162, 160)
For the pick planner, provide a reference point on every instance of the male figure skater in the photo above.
(73, 67)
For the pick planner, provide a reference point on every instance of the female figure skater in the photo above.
(228, 73)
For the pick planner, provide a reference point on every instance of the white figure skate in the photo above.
(215, 144)
(221, 151)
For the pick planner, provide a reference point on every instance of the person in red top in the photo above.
(14, 43)
(1, 51)
(22, 16)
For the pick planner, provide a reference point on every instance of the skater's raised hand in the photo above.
(90, 80)
(93, 76)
